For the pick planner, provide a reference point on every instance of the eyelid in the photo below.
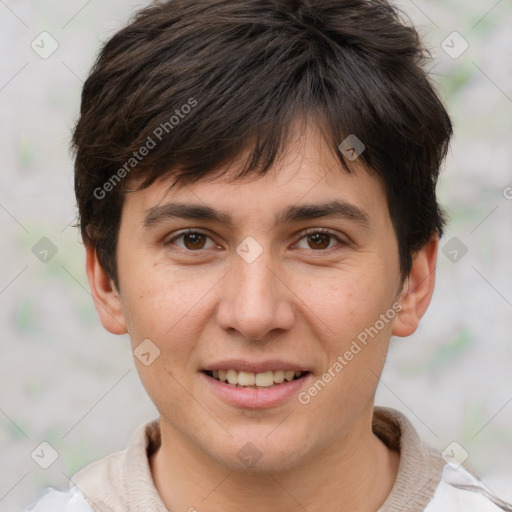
(343, 241)
(187, 231)
(302, 234)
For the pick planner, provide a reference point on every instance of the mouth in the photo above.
(251, 380)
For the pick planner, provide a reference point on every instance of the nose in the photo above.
(255, 299)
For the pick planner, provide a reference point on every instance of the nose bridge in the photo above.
(255, 281)
(255, 301)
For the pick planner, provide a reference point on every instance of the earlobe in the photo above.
(417, 289)
(105, 295)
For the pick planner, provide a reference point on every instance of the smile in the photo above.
(245, 379)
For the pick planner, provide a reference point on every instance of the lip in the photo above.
(256, 367)
(255, 398)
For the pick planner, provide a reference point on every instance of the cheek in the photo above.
(157, 300)
(355, 346)
(345, 304)
(171, 309)
(353, 320)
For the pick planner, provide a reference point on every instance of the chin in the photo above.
(255, 452)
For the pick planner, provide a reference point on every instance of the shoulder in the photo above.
(53, 500)
(107, 483)
(426, 480)
(461, 491)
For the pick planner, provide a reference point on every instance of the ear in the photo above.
(106, 297)
(417, 289)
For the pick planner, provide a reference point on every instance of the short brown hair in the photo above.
(215, 78)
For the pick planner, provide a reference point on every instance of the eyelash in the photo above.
(305, 234)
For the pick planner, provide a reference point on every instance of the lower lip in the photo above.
(251, 398)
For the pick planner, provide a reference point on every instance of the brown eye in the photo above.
(319, 241)
(191, 241)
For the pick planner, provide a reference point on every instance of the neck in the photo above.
(356, 472)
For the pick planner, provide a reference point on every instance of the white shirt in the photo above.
(122, 481)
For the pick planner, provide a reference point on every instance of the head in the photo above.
(250, 108)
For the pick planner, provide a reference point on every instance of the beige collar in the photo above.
(122, 481)
(420, 469)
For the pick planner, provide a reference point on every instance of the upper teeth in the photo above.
(261, 379)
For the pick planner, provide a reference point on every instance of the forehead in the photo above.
(306, 172)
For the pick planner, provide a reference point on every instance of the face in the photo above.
(299, 273)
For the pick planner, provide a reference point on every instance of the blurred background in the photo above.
(67, 382)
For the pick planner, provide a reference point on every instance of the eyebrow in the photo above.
(295, 213)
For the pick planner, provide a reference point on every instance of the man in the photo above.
(256, 190)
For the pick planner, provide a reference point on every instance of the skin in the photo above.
(296, 302)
